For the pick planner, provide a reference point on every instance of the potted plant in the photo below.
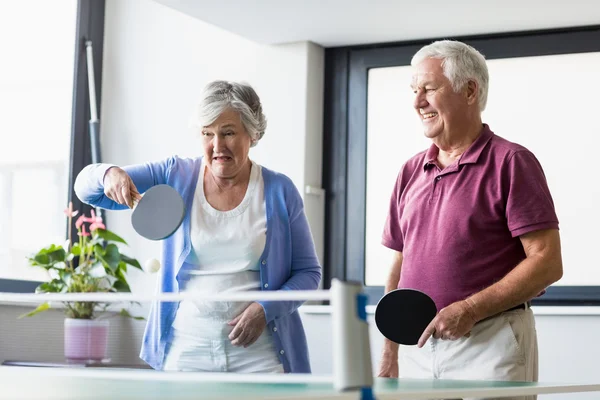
(93, 263)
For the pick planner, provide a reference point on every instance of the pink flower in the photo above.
(69, 211)
(80, 221)
(83, 231)
(95, 219)
(97, 225)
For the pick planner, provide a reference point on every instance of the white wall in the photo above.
(156, 60)
(40, 338)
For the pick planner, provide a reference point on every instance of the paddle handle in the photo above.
(135, 200)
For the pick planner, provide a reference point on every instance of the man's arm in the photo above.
(389, 359)
(541, 268)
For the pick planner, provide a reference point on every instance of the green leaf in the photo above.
(60, 266)
(42, 307)
(75, 249)
(49, 256)
(54, 286)
(122, 267)
(120, 275)
(131, 261)
(110, 256)
(65, 276)
(121, 286)
(125, 313)
(109, 236)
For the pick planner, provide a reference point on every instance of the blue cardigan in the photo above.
(289, 260)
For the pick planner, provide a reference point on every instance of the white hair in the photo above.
(460, 63)
(219, 96)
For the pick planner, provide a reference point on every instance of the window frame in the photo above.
(345, 141)
(89, 26)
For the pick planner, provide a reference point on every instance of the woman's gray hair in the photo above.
(461, 63)
(219, 96)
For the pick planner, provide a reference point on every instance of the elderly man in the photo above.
(472, 223)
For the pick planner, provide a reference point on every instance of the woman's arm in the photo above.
(89, 185)
(305, 270)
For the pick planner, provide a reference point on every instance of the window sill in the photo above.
(60, 307)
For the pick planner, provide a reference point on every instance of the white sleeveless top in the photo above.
(226, 242)
(226, 249)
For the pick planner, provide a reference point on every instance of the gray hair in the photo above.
(461, 63)
(219, 96)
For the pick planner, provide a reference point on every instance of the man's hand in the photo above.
(248, 326)
(451, 323)
(388, 366)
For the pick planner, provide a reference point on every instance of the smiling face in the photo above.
(226, 145)
(443, 112)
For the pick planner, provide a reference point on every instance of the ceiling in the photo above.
(331, 23)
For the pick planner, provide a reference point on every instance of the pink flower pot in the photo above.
(86, 340)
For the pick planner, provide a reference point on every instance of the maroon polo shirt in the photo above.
(458, 228)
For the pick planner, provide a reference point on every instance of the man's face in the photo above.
(440, 109)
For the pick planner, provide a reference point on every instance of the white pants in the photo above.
(219, 355)
(502, 348)
(199, 335)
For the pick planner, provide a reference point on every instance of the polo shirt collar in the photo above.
(470, 156)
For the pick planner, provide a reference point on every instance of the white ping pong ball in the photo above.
(151, 265)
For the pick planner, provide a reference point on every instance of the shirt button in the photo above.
(438, 178)
(281, 352)
(275, 329)
(264, 262)
(266, 285)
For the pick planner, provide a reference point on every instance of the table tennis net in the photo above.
(109, 330)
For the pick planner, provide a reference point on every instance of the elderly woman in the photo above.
(245, 229)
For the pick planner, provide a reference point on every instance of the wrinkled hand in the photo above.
(248, 326)
(451, 323)
(388, 366)
(119, 187)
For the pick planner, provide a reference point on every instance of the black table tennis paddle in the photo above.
(403, 314)
(159, 213)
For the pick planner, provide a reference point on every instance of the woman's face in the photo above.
(226, 145)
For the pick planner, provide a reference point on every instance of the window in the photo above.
(36, 96)
(531, 87)
(43, 95)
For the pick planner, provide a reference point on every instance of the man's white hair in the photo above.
(460, 63)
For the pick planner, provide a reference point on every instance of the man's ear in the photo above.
(472, 92)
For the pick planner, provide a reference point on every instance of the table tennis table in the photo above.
(119, 384)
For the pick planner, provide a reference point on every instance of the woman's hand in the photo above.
(248, 326)
(119, 187)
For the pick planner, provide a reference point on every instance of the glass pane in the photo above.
(37, 38)
(541, 103)
(394, 135)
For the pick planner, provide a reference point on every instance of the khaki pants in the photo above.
(501, 348)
